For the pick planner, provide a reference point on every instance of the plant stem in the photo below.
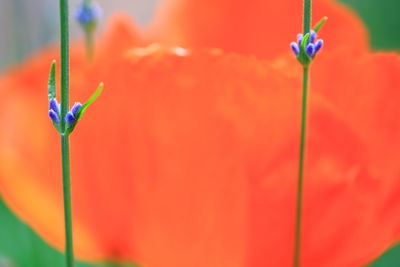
(307, 16)
(69, 250)
(64, 24)
(299, 202)
(303, 131)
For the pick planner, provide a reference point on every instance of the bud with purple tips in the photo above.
(295, 48)
(71, 118)
(318, 45)
(299, 38)
(312, 46)
(54, 105)
(313, 36)
(88, 14)
(310, 50)
(55, 118)
(66, 124)
(75, 108)
(307, 45)
(54, 112)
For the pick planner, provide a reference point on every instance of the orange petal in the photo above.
(199, 129)
(260, 27)
(364, 88)
(189, 159)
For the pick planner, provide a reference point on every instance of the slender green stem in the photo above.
(299, 202)
(64, 60)
(69, 251)
(307, 16)
(64, 24)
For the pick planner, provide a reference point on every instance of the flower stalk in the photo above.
(64, 29)
(64, 121)
(88, 14)
(303, 130)
(299, 201)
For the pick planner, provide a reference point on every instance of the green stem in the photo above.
(64, 24)
(69, 250)
(307, 16)
(299, 202)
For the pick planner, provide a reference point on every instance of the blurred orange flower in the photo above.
(189, 158)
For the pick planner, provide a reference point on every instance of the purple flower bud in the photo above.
(313, 36)
(310, 50)
(53, 104)
(299, 39)
(88, 14)
(54, 116)
(295, 48)
(75, 109)
(70, 118)
(318, 45)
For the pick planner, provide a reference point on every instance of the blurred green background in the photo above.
(19, 245)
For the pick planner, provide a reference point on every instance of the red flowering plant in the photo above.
(189, 158)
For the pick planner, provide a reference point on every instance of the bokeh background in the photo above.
(29, 25)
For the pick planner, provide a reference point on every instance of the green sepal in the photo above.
(69, 128)
(90, 101)
(320, 23)
(58, 127)
(51, 85)
(303, 58)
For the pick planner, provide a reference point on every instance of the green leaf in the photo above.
(51, 85)
(320, 23)
(382, 19)
(390, 258)
(20, 246)
(90, 101)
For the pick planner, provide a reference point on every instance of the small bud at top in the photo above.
(310, 50)
(88, 14)
(306, 47)
(69, 118)
(318, 45)
(295, 48)
(53, 105)
(313, 36)
(299, 38)
(54, 116)
(75, 109)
